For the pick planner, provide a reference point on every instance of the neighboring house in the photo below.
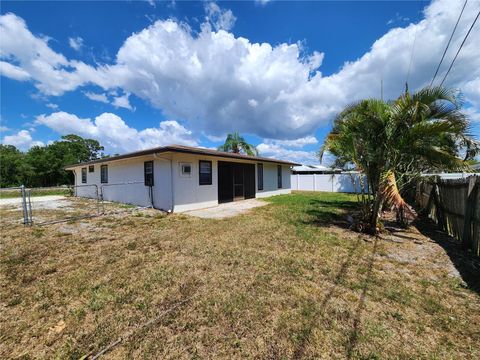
(314, 169)
(180, 178)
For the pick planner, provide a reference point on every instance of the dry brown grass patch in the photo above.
(278, 282)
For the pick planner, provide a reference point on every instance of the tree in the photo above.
(83, 149)
(11, 165)
(237, 144)
(392, 143)
(44, 165)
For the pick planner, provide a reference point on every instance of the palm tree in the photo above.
(237, 144)
(392, 143)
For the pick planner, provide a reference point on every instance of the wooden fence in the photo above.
(455, 206)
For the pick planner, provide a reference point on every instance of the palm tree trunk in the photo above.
(376, 210)
(388, 194)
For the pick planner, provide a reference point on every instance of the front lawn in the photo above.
(287, 280)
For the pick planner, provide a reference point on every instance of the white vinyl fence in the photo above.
(347, 183)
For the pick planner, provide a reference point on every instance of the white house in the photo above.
(180, 178)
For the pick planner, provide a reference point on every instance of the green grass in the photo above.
(9, 194)
(287, 280)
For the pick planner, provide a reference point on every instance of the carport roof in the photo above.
(185, 150)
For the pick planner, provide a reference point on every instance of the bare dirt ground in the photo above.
(283, 281)
(39, 202)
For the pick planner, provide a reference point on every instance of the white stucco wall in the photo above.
(189, 195)
(186, 192)
(126, 182)
(270, 181)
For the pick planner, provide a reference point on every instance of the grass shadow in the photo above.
(324, 213)
(354, 334)
(310, 326)
(467, 264)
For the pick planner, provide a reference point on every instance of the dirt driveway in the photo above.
(38, 202)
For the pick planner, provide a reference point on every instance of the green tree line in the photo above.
(44, 165)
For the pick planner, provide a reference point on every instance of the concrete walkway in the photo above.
(227, 210)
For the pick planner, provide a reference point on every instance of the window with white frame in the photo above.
(185, 169)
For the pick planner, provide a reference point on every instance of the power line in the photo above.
(411, 59)
(448, 44)
(460, 48)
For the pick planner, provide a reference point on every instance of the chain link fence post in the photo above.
(26, 212)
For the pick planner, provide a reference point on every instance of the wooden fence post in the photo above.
(470, 206)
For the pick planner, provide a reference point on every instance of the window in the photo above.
(91, 168)
(148, 173)
(205, 172)
(185, 169)
(84, 175)
(260, 176)
(104, 174)
(279, 176)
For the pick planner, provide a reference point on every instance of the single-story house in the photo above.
(181, 178)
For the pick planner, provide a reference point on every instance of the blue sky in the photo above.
(139, 74)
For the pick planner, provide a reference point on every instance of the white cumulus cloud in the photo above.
(122, 102)
(13, 72)
(219, 18)
(115, 134)
(96, 97)
(76, 43)
(220, 83)
(22, 140)
(279, 152)
(290, 149)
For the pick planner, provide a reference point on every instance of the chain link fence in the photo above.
(43, 206)
(16, 205)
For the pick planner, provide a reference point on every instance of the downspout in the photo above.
(172, 185)
(74, 182)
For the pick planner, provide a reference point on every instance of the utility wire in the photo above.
(448, 44)
(411, 59)
(460, 48)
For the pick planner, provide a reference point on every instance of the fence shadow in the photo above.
(467, 264)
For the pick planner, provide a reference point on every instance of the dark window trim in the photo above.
(148, 183)
(91, 168)
(209, 181)
(260, 178)
(102, 179)
(84, 175)
(279, 176)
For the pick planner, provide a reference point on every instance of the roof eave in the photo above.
(184, 150)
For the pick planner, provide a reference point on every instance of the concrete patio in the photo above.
(226, 210)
